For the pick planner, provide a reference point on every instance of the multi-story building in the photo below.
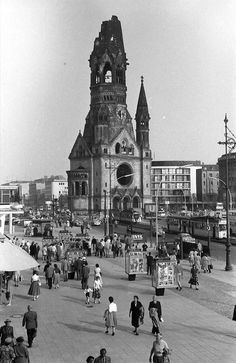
(55, 188)
(207, 185)
(108, 164)
(231, 179)
(174, 183)
(9, 194)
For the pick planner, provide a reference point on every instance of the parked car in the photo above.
(96, 222)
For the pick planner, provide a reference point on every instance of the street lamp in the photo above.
(105, 212)
(227, 142)
(157, 191)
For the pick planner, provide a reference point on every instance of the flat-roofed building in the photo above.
(174, 182)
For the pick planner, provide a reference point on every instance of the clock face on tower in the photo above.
(121, 113)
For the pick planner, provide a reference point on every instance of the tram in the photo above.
(198, 226)
(232, 221)
(128, 216)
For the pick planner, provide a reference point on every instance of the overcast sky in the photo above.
(185, 49)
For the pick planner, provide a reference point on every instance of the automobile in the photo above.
(77, 223)
(16, 220)
(96, 222)
(186, 237)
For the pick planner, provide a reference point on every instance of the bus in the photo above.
(198, 226)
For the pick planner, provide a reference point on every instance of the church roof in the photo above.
(80, 144)
(142, 100)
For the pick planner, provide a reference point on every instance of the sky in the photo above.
(184, 49)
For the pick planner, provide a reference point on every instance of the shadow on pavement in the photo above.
(81, 328)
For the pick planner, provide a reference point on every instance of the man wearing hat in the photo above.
(21, 352)
(6, 331)
(30, 321)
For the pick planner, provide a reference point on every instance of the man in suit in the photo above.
(149, 263)
(155, 314)
(103, 358)
(85, 275)
(30, 321)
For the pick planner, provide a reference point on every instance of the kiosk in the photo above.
(163, 275)
(135, 264)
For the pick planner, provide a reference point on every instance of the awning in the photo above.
(14, 258)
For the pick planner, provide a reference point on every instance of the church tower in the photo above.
(109, 168)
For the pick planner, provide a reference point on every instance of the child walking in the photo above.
(87, 292)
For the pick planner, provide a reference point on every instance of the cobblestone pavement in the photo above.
(197, 324)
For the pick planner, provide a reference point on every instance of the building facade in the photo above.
(231, 179)
(110, 166)
(207, 186)
(9, 194)
(54, 189)
(174, 184)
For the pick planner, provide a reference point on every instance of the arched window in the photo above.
(84, 188)
(136, 202)
(72, 189)
(77, 188)
(126, 203)
(119, 76)
(107, 73)
(97, 76)
(116, 203)
(117, 148)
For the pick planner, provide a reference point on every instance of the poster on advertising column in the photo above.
(135, 263)
(163, 274)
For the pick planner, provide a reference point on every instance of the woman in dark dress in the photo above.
(194, 277)
(136, 311)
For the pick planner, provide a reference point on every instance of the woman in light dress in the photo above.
(34, 289)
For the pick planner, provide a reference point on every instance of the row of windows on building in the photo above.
(123, 204)
(171, 170)
(210, 175)
(173, 178)
(172, 193)
(79, 188)
(172, 186)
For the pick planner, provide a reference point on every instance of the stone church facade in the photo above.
(110, 166)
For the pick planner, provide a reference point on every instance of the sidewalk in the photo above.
(69, 330)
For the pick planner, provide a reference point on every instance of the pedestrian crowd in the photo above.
(14, 349)
(59, 263)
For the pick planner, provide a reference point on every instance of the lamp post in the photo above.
(227, 142)
(105, 212)
(157, 191)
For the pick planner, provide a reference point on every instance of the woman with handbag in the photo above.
(34, 289)
(136, 312)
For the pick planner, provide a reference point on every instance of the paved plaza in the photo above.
(69, 330)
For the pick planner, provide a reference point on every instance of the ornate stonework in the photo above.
(108, 157)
